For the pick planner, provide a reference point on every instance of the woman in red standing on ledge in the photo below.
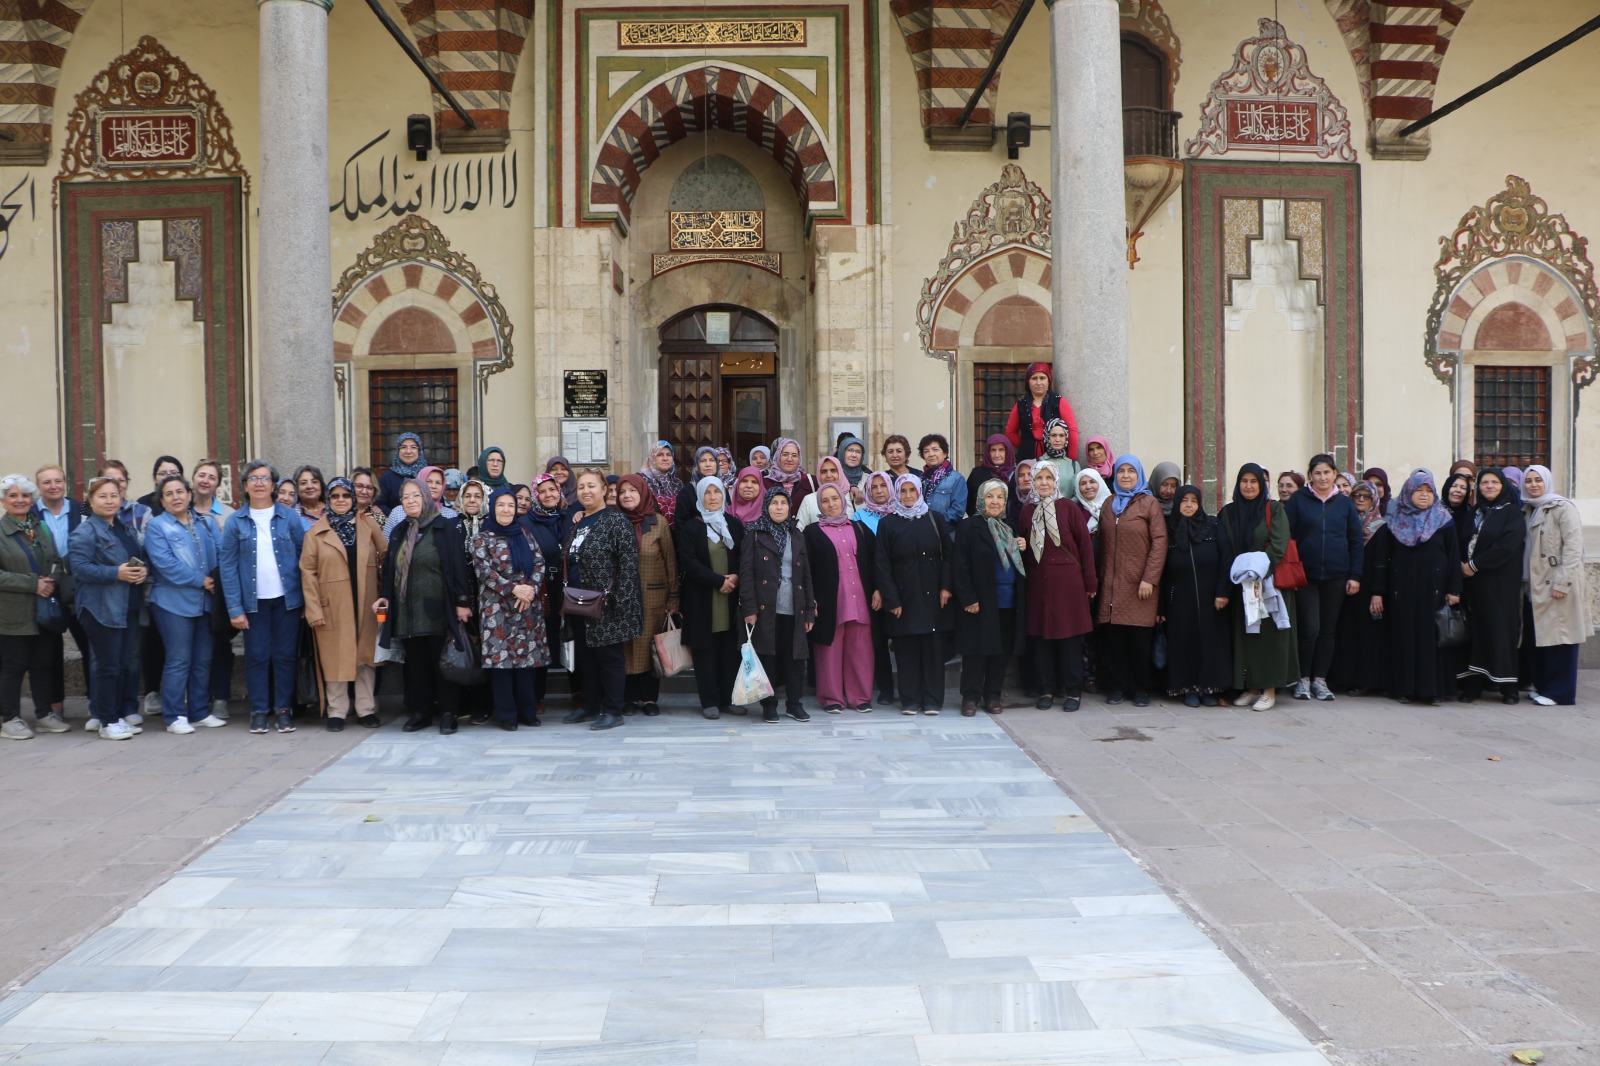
(1026, 426)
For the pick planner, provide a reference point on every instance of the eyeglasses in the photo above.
(339, 496)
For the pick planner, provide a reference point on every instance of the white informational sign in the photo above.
(584, 440)
(718, 326)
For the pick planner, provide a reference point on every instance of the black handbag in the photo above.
(49, 615)
(1452, 625)
(580, 603)
(460, 661)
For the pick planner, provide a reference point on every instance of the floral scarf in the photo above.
(779, 531)
(344, 525)
(1005, 541)
(407, 469)
(1411, 525)
(777, 476)
(916, 510)
(1046, 523)
(879, 509)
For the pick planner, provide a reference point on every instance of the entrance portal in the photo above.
(719, 380)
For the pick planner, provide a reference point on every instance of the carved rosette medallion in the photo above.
(1270, 101)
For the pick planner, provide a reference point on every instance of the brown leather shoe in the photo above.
(969, 708)
(995, 706)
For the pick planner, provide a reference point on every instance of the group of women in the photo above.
(857, 581)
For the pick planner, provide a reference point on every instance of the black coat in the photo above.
(699, 582)
(760, 571)
(452, 563)
(914, 563)
(824, 560)
(1413, 582)
(973, 572)
(608, 559)
(1494, 593)
(1199, 637)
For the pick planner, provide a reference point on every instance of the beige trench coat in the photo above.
(344, 643)
(1555, 561)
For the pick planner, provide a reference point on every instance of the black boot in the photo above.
(416, 722)
(579, 715)
(447, 724)
(608, 721)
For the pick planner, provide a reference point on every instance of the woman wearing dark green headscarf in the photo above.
(492, 468)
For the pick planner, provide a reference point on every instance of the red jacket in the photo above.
(1033, 446)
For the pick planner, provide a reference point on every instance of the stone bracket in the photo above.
(974, 137)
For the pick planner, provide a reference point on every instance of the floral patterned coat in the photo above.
(512, 639)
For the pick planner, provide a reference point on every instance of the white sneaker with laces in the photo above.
(180, 724)
(136, 718)
(1302, 689)
(210, 721)
(152, 703)
(52, 723)
(16, 729)
(116, 731)
(92, 726)
(1320, 690)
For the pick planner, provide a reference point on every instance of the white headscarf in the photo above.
(716, 521)
(1093, 506)
(916, 510)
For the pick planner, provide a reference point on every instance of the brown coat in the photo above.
(342, 644)
(1133, 548)
(658, 587)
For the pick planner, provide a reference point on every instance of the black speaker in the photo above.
(419, 135)
(1019, 132)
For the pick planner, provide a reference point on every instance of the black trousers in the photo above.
(882, 663)
(783, 669)
(153, 660)
(25, 655)
(983, 676)
(425, 687)
(1319, 604)
(642, 688)
(516, 697)
(1060, 664)
(715, 666)
(56, 644)
(1126, 657)
(921, 662)
(603, 672)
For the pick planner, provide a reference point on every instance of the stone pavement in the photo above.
(1414, 885)
(881, 890)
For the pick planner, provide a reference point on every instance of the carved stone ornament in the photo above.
(1146, 19)
(1269, 101)
(414, 239)
(661, 262)
(148, 116)
(1012, 211)
(1513, 222)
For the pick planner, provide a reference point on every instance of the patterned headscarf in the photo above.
(731, 474)
(407, 469)
(1372, 519)
(1024, 496)
(840, 519)
(471, 523)
(665, 486)
(1092, 506)
(866, 489)
(779, 531)
(1005, 541)
(1046, 523)
(777, 476)
(411, 530)
(1050, 453)
(1122, 497)
(746, 511)
(1411, 525)
(716, 521)
(916, 510)
(344, 525)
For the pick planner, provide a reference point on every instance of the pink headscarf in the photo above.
(422, 479)
(747, 510)
(841, 482)
(1103, 469)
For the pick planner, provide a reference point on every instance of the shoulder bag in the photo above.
(1289, 574)
(576, 602)
(48, 613)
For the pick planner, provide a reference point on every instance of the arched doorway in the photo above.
(719, 373)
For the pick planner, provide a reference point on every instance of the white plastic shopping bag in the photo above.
(750, 684)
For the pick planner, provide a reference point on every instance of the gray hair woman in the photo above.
(28, 567)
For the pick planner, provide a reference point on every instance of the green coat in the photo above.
(1270, 658)
(18, 583)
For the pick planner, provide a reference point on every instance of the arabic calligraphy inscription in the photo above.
(142, 138)
(711, 33)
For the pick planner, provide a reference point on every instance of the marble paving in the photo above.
(882, 890)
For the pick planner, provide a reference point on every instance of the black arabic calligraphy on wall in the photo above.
(465, 185)
(11, 206)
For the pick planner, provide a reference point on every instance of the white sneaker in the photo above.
(92, 726)
(210, 721)
(52, 723)
(1266, 702)
(1302, 689)
(152, 704)
(180, 724)
(16, 729)
(136, 718)
(116, 731)
(1543, 701)
(219, 709)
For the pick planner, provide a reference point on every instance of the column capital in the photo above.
(326, 5)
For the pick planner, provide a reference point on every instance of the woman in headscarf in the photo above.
(726, 471)
(558, 467)
(473, 498)
(1165, 481)
(1097, 456)
(1378, 479)
(760, 457)
(288, 495)
(1344, 482)
(510, 571)
(339, 572)
(1020, 490)
(1031, 416)
(990, 590)
(1092, 495)
(914, 572)
(492, 468)
(852, 456)
(407, 463)
(1056, 436)
(708, 542)
(745, 498)
(1418, 571)
(1062, 580)
(1514, 475)
(547, 519)
(777, 601)
(830, 471)
(1361, 650)
(878, 490)
(1458, 494)
(478, 700)
(841, 554)
(432, 479)
(787, 472)
(1492, 575)
(426, 594)
(601, 554)
(1327, 533)
(705, 465)
(660, 474)
(998, 461)
(1469, 470)
(1133, 551)
(658, 586)
(1556, 613)
(30, 565)
(1199, 651)
(1254, 532)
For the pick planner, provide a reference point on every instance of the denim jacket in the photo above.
(95, 553)
(180, 570)
(949, 499)
(238, 558)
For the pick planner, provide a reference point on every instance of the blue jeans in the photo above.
(270, 646)
(116, 668)
(186, 673)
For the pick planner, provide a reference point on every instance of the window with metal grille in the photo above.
(1511, 420)
(996, 388)
(423, 402)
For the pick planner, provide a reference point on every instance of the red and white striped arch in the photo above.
(1527, 288)
(34, 37)
(415, 308)
(1011, 271)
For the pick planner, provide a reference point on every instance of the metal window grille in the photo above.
(1511, 420)
(424, 402)
(996, 387)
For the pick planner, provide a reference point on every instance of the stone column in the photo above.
(1089, 290)
(294, 319)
